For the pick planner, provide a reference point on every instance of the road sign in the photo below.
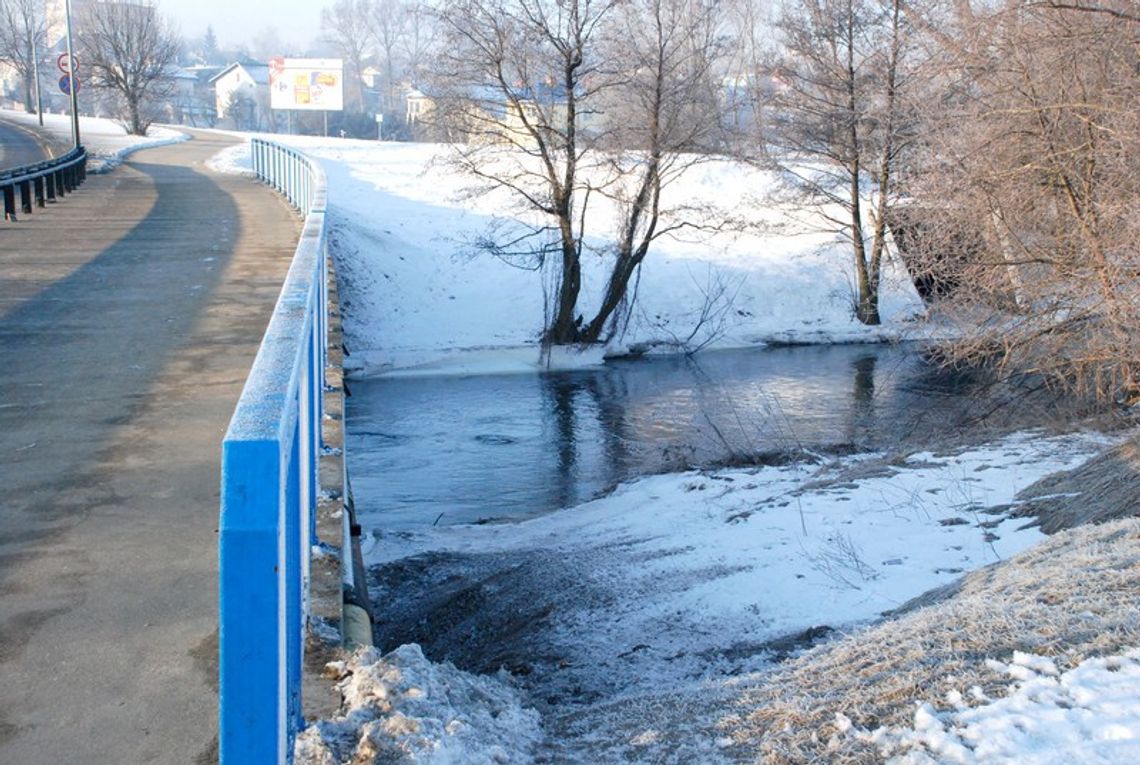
(67, 64)
(65, 84)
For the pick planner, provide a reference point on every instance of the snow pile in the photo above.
(419, 293)
(401, 708)
(106, 140)
(233, 160)
(1090, 714)
(699, 576)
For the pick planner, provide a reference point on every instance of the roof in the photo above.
(259, 73)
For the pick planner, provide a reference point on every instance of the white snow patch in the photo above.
(1090, 714)
(420, 295)
(401, 708)
(106, 140)
(233, 160)
(694, 565)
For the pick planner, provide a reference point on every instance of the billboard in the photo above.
(306, 83)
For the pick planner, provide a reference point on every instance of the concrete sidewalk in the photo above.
(130, 313)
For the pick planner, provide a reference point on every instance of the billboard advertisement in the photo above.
(306, 83)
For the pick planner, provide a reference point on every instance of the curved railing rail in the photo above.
(43, 182)
(269, 491)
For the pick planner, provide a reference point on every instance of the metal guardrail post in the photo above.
(251, 600)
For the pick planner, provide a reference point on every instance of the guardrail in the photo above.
(42, 182)
(269, 491)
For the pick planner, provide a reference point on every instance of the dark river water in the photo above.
(425, 450)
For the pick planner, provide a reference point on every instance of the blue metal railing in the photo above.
(269, 491)
(42, 182)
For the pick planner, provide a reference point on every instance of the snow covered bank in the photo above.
(107, 141)
(401, 708)
(1073, 597)
(1090, 714)
(419, 295)
(676, 584)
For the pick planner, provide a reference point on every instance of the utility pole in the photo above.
(71, 73)
(36, 74)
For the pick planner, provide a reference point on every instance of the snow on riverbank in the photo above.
(675, 584)
(1090, 714)
(693, 563)
(418, 295)
(107, 142)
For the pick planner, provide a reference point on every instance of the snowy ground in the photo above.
(677, 585)
(107, 142)
(1090, 714)
(418, 294)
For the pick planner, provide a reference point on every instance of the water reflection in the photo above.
(464, 449)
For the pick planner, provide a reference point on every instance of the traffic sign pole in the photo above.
(71, 74)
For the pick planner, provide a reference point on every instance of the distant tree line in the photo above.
(998, 141)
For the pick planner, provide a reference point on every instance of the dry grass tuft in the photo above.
(1073, 596)
(1102, 489)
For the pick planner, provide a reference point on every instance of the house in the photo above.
(417, 106)
(241, 95)
(193, 100)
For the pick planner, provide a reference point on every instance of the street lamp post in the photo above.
(71, 74)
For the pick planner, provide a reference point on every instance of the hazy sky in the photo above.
(296, 21)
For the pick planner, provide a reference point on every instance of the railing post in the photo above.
(254, 725)
(38, 186)
(9, 203)
(294, 614)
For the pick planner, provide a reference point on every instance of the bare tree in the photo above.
(1038, 167)
(516, 73)
(663, 115)
(129, 50)
(23, 32)
(839, 127)
(387, 23)
(346, 25)
(417, 39)
(565, 103)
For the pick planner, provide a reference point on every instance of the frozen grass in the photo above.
(1074, 596)
(1102, 489)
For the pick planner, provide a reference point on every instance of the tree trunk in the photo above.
(136, 127)
(629, 258)
(564, 329)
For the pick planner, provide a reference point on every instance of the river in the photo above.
(461, 449)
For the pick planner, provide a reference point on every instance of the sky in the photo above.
(296, 22)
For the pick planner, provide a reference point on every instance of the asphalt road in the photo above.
(20, 146)
(130, 313)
